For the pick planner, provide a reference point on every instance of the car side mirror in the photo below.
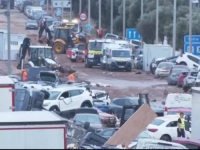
(163, 103)
(61, 98)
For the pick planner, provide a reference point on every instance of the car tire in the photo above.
(86, 104)
(166, 138)
(54, 108)
(183, 63)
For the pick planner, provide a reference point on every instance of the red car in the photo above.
(189, 143)
(180, 78)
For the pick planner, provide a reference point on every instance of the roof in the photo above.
(5, 80)
(65, 88)
(40, 46)
(29, 116)
(180, 109)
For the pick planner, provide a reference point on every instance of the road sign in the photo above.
(61, 3)
(195, 38)
(88, 26)
(41, 2)
(83, 16)
(132, 34)
(59, 12)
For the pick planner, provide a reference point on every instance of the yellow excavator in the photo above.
(66, 36)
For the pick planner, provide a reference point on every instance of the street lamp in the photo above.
(124, 17)
(80, 6)
(174, 28)
(157, 19)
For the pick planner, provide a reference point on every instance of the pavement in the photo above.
(121, 83)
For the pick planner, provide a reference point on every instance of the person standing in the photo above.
(181, 126)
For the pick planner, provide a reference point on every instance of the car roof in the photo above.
(62, 89)
(168, 117)
(185, 140)
(98, 91)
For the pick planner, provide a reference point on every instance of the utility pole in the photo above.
(190, 24)
(70, 10)
(124, 17)
(47, 6)
(142, 11)
(62, 11)
(80, 6)
(89, 7)
(111, 17)
(99, 14)
(8, 36)
(157, 20)
(174, 28)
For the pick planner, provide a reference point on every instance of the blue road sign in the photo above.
(41, 2)
(132, 34)
(59, 12)
(195, 38)
(88, 26)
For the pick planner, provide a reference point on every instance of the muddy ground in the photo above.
(122, 83)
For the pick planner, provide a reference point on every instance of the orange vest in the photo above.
(24, 76)
(71, 77)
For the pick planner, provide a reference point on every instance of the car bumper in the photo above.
(124, 65)
(162, 74)
(93, 62)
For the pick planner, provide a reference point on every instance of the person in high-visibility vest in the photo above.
(181, 126)
(24, 75)
(71, 77)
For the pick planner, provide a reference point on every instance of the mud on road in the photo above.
(122, 83)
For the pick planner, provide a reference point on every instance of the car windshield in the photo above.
(33, 73)
(144, 134)
(157, 122)
(53, 95)
(165, 65)
(121, 53)
(194, 74)
(95, 45)
(32, 21)
(87, 118)
(177, 113)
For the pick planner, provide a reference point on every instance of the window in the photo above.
(194, 74)
(119, 102)
(65, 95)
(121, 53)
(107, 133)
(80, 91)
(157, 122)
(74, 93)
(100, 95)
(172, 124)
(53, 95)
(14, 42)
(127, 102)
(194, 59)
(95, 45)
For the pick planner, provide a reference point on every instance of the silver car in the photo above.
(31, 24)
(190, 79)
(163, 69)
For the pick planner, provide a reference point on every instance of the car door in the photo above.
(65, 102)
(75, 97)
(171, 129)
(117, 106)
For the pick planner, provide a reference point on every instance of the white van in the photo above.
(178, 100)
(155, 144)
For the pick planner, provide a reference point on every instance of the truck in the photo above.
(7, 86)
(116, 58)
(32, 130)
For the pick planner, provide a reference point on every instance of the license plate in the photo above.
(121, 66)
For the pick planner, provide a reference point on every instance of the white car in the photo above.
(165, 128)
(68, 98)
(37, 86)
(189, 60)
(190, 79)
(101, 95)
(54, 25)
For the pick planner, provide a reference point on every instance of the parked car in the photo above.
(197, 82)
(138, 62)
(37, 15)
(49, 21)
(181, 78)
(101, 105)
(116, 106)
(107, 133)
(101, 95)
(165, 128)
(43, 18)
(33, 72)
(189, 80)
(175, 73)
(189, 60)
(163, 69)
(108, 120)
(188, 143)
(31, 24)
(68, 98)
(154, 63)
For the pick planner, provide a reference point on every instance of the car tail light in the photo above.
(166, 109)
(152, 130)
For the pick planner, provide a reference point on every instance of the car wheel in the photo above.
(54, 108)
(86, 105)
(183, 63)
(166, 138)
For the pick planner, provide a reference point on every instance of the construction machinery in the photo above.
(66, 36)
